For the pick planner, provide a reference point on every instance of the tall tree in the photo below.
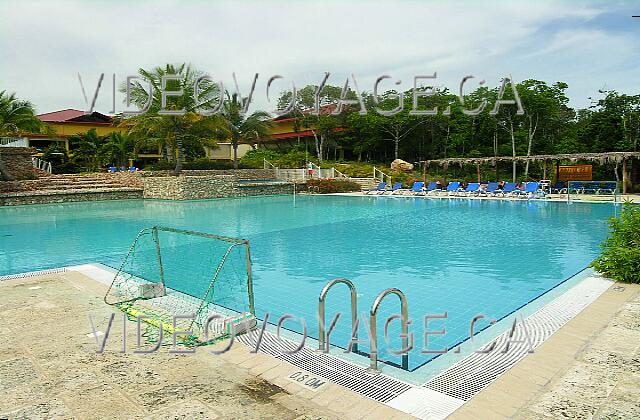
(86, 149)
(17, 116)
(170, 130)
(240, 127)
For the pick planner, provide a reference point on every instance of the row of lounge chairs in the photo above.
(528, 189)
(605, 187)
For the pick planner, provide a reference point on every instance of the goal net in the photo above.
(184, 281)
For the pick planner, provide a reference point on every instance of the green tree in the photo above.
(118, 149)
(17, 116)
(620, 258)
(240, 127)
(86, 148)
(171, 132)
(321, 123)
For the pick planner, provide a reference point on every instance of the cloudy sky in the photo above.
(591, 45)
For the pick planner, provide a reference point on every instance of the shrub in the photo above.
(620, 258)
(205, 164)
(198, 164)
(255, 158)
(327, 186)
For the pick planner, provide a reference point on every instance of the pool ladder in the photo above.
(323, 345)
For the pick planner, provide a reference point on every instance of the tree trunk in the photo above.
(179, 151)
(513, 150)
(396, 142)
(495, 150)
(234, 144)
(625, 177)
(318, 145)
(532, 132)
(168, 150)
(321, 148)
(446, 140)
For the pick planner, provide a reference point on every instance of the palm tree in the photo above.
(119, 147)
(17, 116)
(86, 149)
(243, 128)
(169, 131)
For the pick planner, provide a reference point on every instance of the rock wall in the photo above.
(248, 190)
(189, 187)
(20, 199)
(210, 186)
(238, 173)
(15, 162)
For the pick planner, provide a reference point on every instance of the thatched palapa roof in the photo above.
(601, 158)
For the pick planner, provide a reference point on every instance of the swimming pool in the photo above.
(458, 256)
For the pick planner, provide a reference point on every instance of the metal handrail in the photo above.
(340, 174)
(266, 163)
(374, 334)
(383, 176)
(43, 165)
(322, 343)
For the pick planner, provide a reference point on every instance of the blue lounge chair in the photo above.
(492, 189)
(508, 188)
(416, 188)
(530, 190)
(380, 187)
(112, 169)
(395, 187)
(591, 188)
(607, 188)
(559, 187)
(472, 188)
(577, 187)
(433, 188)
(453, 188)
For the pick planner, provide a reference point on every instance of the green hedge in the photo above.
(198, 164)
(327, 186)
(620, 258)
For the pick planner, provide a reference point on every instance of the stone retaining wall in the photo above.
(189, 187)
(16, 200)
(211, 186)
(16, 161)
(248, 190)
(238, 173)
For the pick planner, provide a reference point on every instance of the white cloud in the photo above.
(44, 44)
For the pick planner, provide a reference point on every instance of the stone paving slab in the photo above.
(589, 369)
(49, 367)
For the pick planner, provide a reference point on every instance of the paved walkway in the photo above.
(49, 368)
(590, 368)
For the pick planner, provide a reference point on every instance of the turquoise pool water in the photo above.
(459, 256)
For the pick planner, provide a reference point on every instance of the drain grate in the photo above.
(379, 387)
(472, 374)
(33, 274)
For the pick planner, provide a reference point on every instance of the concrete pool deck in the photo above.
(49, 368)
(590, 368)
(579, 198)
